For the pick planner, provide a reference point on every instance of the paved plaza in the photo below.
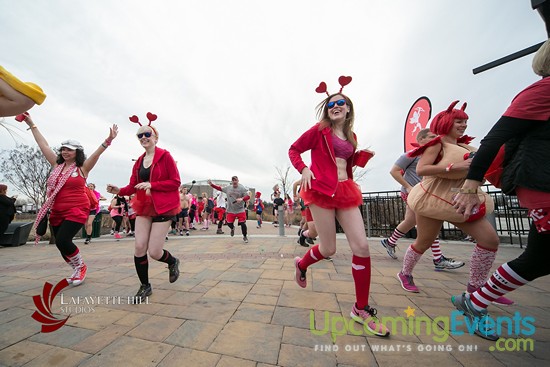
(237, 304)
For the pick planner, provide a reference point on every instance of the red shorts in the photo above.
(220, 212)
(241, 217)
(307, 214)
(347, 195)
(404, 196)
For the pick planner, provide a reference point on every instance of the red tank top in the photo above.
(71, 202)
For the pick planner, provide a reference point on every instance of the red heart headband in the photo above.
(150, 116)
(343, 80)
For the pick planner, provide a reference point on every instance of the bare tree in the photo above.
(359, 173)
(284, 178)
(27, 170)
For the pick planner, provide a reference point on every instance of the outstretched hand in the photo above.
(113, 132)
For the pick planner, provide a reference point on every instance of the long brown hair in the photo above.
(322, 115)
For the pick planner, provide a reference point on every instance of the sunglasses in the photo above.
(339, 102)
(147, 135)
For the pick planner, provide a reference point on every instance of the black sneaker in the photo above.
(144, 291)
(302, 240)
(245, 239)
(310, 241)
(232, 232)
(87, 241)
(174, 271)
(478, 318)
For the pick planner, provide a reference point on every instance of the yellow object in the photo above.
(28, 89)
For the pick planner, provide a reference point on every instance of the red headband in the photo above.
(343, 80)
(150, 116)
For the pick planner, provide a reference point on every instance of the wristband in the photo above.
(32, 127)
(108, 142)
(104, 146)
(448, 168)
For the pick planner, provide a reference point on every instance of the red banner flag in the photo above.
(417, 119)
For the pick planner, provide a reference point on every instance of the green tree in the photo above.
(27, 170)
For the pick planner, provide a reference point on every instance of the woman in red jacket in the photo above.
(155, 180)
(330, 192)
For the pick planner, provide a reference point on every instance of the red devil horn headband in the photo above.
(452, 106)
(150, 116)
(343, 80)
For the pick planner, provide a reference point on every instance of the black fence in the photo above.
(384, 210)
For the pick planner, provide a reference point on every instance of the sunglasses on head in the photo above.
(146, 134)
(339, 102)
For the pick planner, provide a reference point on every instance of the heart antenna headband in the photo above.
(150, 116)
(343, 80)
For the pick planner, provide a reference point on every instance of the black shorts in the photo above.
(184, 213)
(93, 212)
(162, 218)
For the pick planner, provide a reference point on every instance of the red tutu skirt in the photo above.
(144, 207)
(348, 195)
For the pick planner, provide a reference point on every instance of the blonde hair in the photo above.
(541, 61)
(146, 128)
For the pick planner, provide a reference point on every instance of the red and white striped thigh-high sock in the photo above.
(503, 280)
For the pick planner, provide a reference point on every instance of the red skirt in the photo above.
(348, 195)
(145, 208)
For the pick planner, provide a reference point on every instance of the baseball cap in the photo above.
(71, 144)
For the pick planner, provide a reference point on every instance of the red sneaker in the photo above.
(80, 274)
(299, 275)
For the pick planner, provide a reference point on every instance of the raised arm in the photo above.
(92, 159)
(49, 154)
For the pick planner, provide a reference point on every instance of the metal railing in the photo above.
(384, 210)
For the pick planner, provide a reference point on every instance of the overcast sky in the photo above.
(232, 82)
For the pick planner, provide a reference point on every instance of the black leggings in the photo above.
(4, 222)
(533, 262)
(118, 222)
(64, 235)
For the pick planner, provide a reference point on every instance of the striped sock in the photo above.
(397, 234)
(410, 259)
(436, 250)
(503, 280)
(310, 257)
(480, 264)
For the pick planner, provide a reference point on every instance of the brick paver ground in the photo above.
(236, 304)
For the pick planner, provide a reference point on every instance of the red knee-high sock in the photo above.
(480, 265)
(503, 280)
(410, 259)
(361, 271)
(311, 257)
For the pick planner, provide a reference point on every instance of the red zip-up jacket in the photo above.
(323, 161)
(164, 179)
